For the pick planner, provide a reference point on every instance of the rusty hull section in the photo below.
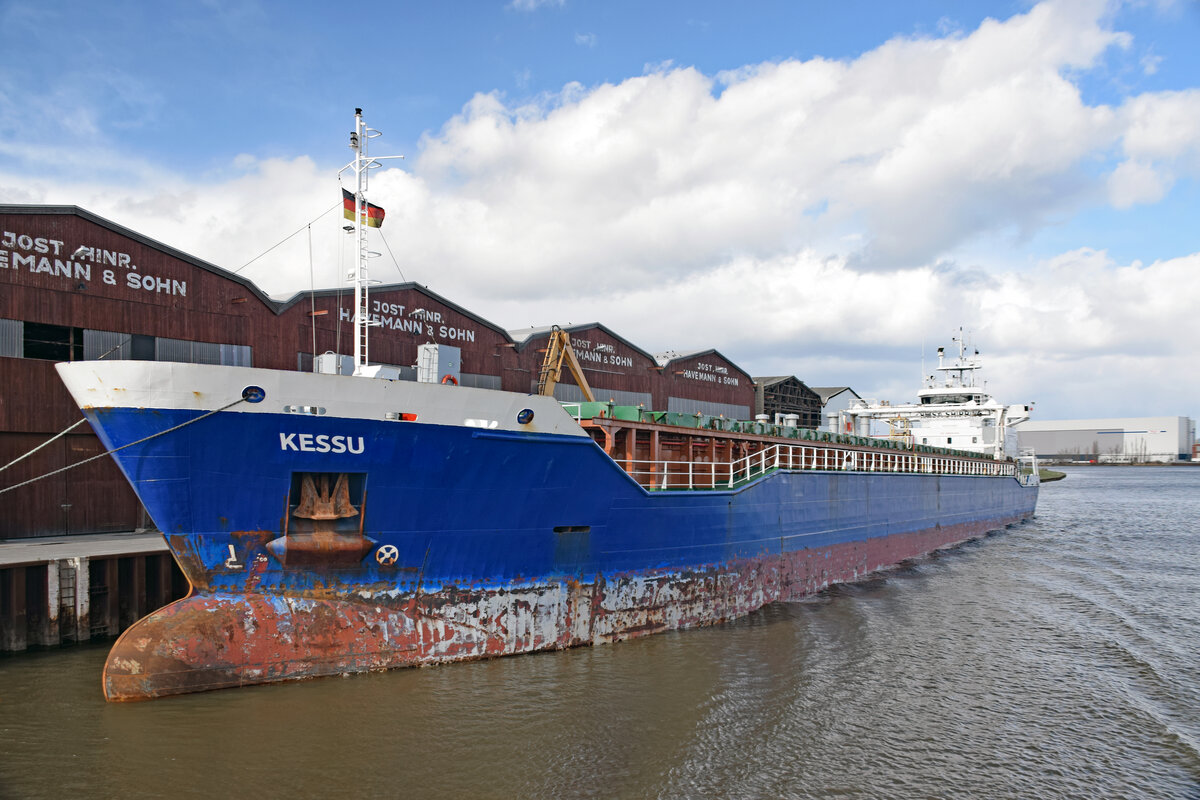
(216, 640)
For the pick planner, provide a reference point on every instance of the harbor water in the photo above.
(1059, 658)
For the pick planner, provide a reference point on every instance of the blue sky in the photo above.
(1030, 171)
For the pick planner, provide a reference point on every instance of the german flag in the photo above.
(374, 216)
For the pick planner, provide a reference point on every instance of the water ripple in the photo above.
(1056, 659)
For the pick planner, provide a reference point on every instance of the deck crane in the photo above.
(559, 349)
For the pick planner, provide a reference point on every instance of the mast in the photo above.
(361, 165)
(358, 143)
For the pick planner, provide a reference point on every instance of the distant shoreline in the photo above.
(1111, 464)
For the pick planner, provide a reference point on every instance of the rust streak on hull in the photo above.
(214, 640)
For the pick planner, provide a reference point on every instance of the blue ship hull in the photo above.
(481, 507)
(457, 542)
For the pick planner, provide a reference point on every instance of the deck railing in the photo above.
(659, 475)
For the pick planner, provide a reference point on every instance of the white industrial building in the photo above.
(1122, 441)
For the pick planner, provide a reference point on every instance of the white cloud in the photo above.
(586, 39)
(922, 142)
(1134, 182)
(1161, 140)
(1163, 126)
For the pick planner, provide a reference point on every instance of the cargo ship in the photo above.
(337, 523)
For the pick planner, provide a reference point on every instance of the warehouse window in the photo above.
(231, 355)
(680, 405)
(570, 393)
(112, 346)
(143, 347)
(237, 355)
(477, 381)
(52, 342)
(63, 343)
(107, 345)
(12, 336)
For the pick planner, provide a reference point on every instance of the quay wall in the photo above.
(55, 601)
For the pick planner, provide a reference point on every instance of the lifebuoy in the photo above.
(450, 379)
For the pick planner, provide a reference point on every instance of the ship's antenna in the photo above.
(922, 359)
(312, 294)
(361, 165)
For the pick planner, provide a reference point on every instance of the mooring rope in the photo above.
(53, 438)
(115, 449)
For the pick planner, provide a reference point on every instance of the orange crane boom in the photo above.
(559, 350)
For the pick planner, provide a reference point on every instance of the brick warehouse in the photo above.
(76, 286)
